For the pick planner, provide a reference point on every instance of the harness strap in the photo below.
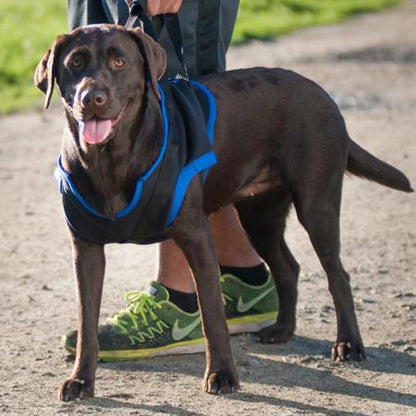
(137, 14)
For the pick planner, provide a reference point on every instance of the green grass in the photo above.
(28, 28)
(266, 19)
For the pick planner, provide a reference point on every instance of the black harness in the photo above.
(189, 113)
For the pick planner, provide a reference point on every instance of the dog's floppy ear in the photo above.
(45, 73)
(154, 56)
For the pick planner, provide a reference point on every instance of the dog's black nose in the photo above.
(94, 97)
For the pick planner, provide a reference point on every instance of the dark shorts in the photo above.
(206, 27)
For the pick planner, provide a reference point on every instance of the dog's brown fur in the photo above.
(279, 139)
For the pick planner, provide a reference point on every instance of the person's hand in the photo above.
(155, 7)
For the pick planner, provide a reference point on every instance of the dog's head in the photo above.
(101, 74)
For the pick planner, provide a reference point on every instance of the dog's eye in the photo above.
(75, 63)
(119, 63)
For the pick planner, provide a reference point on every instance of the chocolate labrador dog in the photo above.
(279, 139)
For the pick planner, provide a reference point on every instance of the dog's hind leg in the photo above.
(316, 191)
(264, 217)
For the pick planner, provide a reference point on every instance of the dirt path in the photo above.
(369, 66)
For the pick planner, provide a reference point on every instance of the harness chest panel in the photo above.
(189, 114)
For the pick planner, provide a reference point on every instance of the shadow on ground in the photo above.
(303, 362)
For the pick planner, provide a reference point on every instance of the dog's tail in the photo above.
(365, 165)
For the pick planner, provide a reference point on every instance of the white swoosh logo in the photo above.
(180, 333)
(244, 307)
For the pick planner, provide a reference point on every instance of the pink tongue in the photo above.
(95, 131)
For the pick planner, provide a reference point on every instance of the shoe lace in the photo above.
(140, 306)
(225, 298)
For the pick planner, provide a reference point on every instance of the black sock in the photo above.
(256, 275)
(186, 301)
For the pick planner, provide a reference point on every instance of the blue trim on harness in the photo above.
(184, 178)
(64, 174)
(212, 110)
(139, 184)
(212, 116)
(202, 163)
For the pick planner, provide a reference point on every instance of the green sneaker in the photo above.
(149, 326)
(249, 308)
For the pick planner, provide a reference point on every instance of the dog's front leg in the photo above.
(191, 231)
(89, 265)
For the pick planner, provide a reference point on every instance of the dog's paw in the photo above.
(75, 388)
(345, 351)
(275, 334)
(221, 383)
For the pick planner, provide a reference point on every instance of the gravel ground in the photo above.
(368, 65)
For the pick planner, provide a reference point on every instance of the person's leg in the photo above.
(206, 28)
(214, 31)
(231, 243)
(173, 269)
(244, 277)
(88, 12)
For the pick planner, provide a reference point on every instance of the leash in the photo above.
(137, 15)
